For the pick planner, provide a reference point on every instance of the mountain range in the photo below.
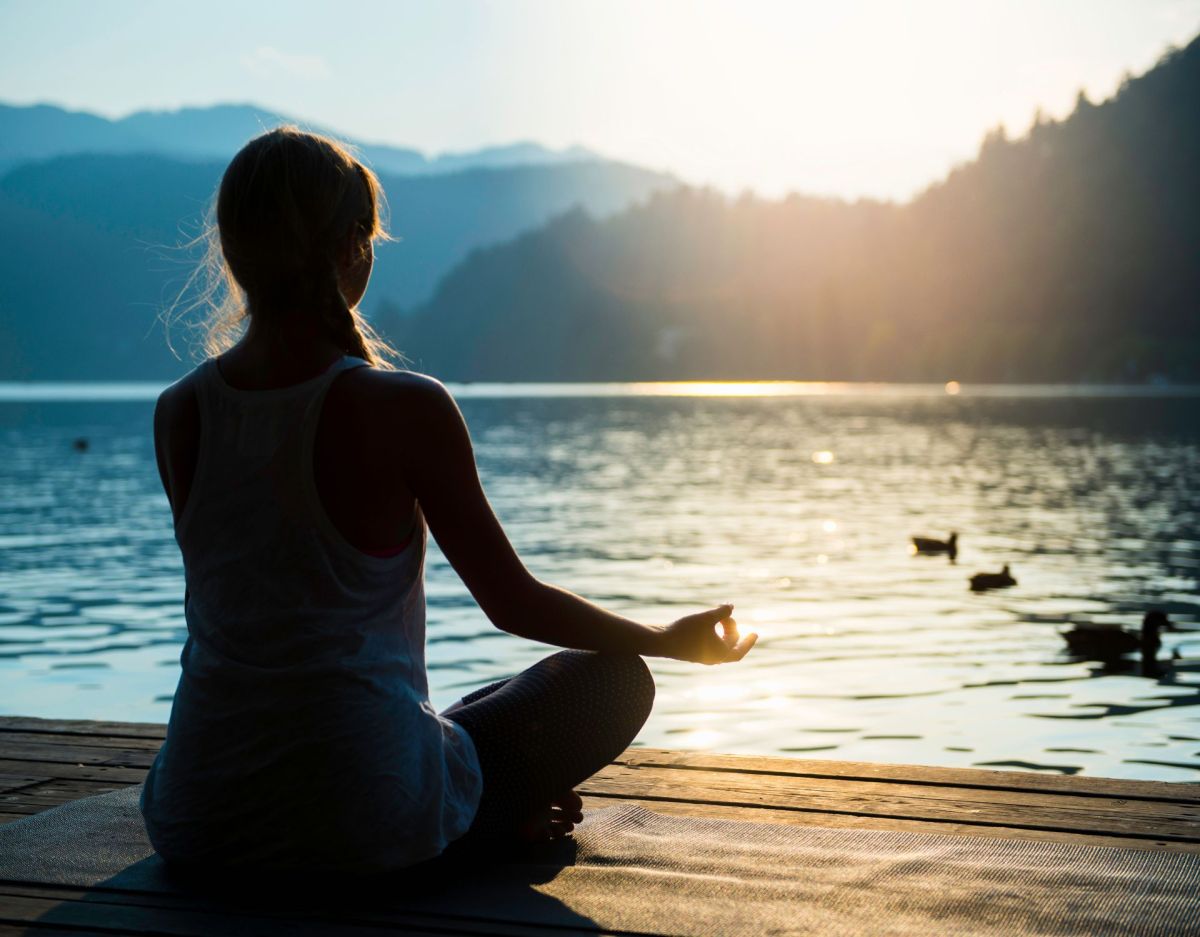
(1069, 253)
(93, 214)
(211, 134)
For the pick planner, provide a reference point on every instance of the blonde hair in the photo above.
(286, 205)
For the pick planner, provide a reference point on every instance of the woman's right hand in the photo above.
(694, 638)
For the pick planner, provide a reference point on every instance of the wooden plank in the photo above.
(39, 797)
(93, 912)
(685, 808)
(805, 818)
(70, 770)
(109, 734)
(37, 930)
(27, 807)
(67, 789)
(197, 914)
(14, 782)
(1181, 791)
(33, 803)
(147, 730)
(1061, 812)
(54, 752)
(890, 799)
(11, 739)
(47, 762)
(1104, 810)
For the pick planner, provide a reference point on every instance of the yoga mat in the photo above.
(628, 868)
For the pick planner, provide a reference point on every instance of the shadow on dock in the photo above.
(432, 894)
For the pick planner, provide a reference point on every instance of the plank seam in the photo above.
(23, 787)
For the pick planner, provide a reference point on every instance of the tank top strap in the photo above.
(208, 376)
(321, 385)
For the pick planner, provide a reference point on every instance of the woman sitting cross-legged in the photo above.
(303, 474)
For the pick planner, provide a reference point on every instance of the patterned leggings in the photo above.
(542, 732)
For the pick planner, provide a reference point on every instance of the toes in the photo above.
(570, 803)
(554, 821)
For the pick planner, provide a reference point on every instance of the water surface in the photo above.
(795, 502)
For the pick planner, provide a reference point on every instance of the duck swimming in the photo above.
(931, 547)
(1108, 642)
(981, 582)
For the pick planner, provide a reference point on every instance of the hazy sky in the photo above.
(849, 98)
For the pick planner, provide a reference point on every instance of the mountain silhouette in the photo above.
(213, 134)
(90, 257)
(1069, 254)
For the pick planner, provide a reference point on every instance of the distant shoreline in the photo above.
(133, 391)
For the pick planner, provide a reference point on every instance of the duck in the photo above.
(981, 582)
(930, 546)
(1108, 642)
(81, 444)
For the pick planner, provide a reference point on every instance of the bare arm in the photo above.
(444, 478)
(177, 442)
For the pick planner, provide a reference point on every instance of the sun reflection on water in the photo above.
(657, 508)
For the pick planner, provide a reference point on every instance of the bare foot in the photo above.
(553, 821)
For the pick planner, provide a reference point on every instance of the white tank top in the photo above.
(301, 732)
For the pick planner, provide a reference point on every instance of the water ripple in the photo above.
(797, 508)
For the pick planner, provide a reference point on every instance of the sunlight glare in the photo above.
(735, 388)
(720, 692)
(699, 738)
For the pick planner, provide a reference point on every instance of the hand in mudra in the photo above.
(695, 638)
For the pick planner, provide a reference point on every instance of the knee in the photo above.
(624, 677)
(633, 682)
(642, 682)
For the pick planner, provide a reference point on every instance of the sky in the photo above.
(858, 98)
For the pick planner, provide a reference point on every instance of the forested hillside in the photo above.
(1072, 253)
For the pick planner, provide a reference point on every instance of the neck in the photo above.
(302, 336)
(270, 355)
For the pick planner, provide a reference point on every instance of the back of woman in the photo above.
(301, 728)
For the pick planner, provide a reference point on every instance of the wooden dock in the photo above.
(44, 763)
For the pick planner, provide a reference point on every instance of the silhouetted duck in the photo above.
(930, 547)
(1108, 642)
(981, 582)
(81, 444)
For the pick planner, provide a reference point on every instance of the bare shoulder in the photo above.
(399, 397)
(406, 385)
(177, 407)
(177, 439)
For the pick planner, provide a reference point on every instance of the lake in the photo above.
(794, 502)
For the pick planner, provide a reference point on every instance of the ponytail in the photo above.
(347, 327)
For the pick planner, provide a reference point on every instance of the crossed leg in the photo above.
(540, 733)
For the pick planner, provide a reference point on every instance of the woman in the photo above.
(302, 473)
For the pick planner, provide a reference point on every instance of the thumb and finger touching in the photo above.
(732, 646)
